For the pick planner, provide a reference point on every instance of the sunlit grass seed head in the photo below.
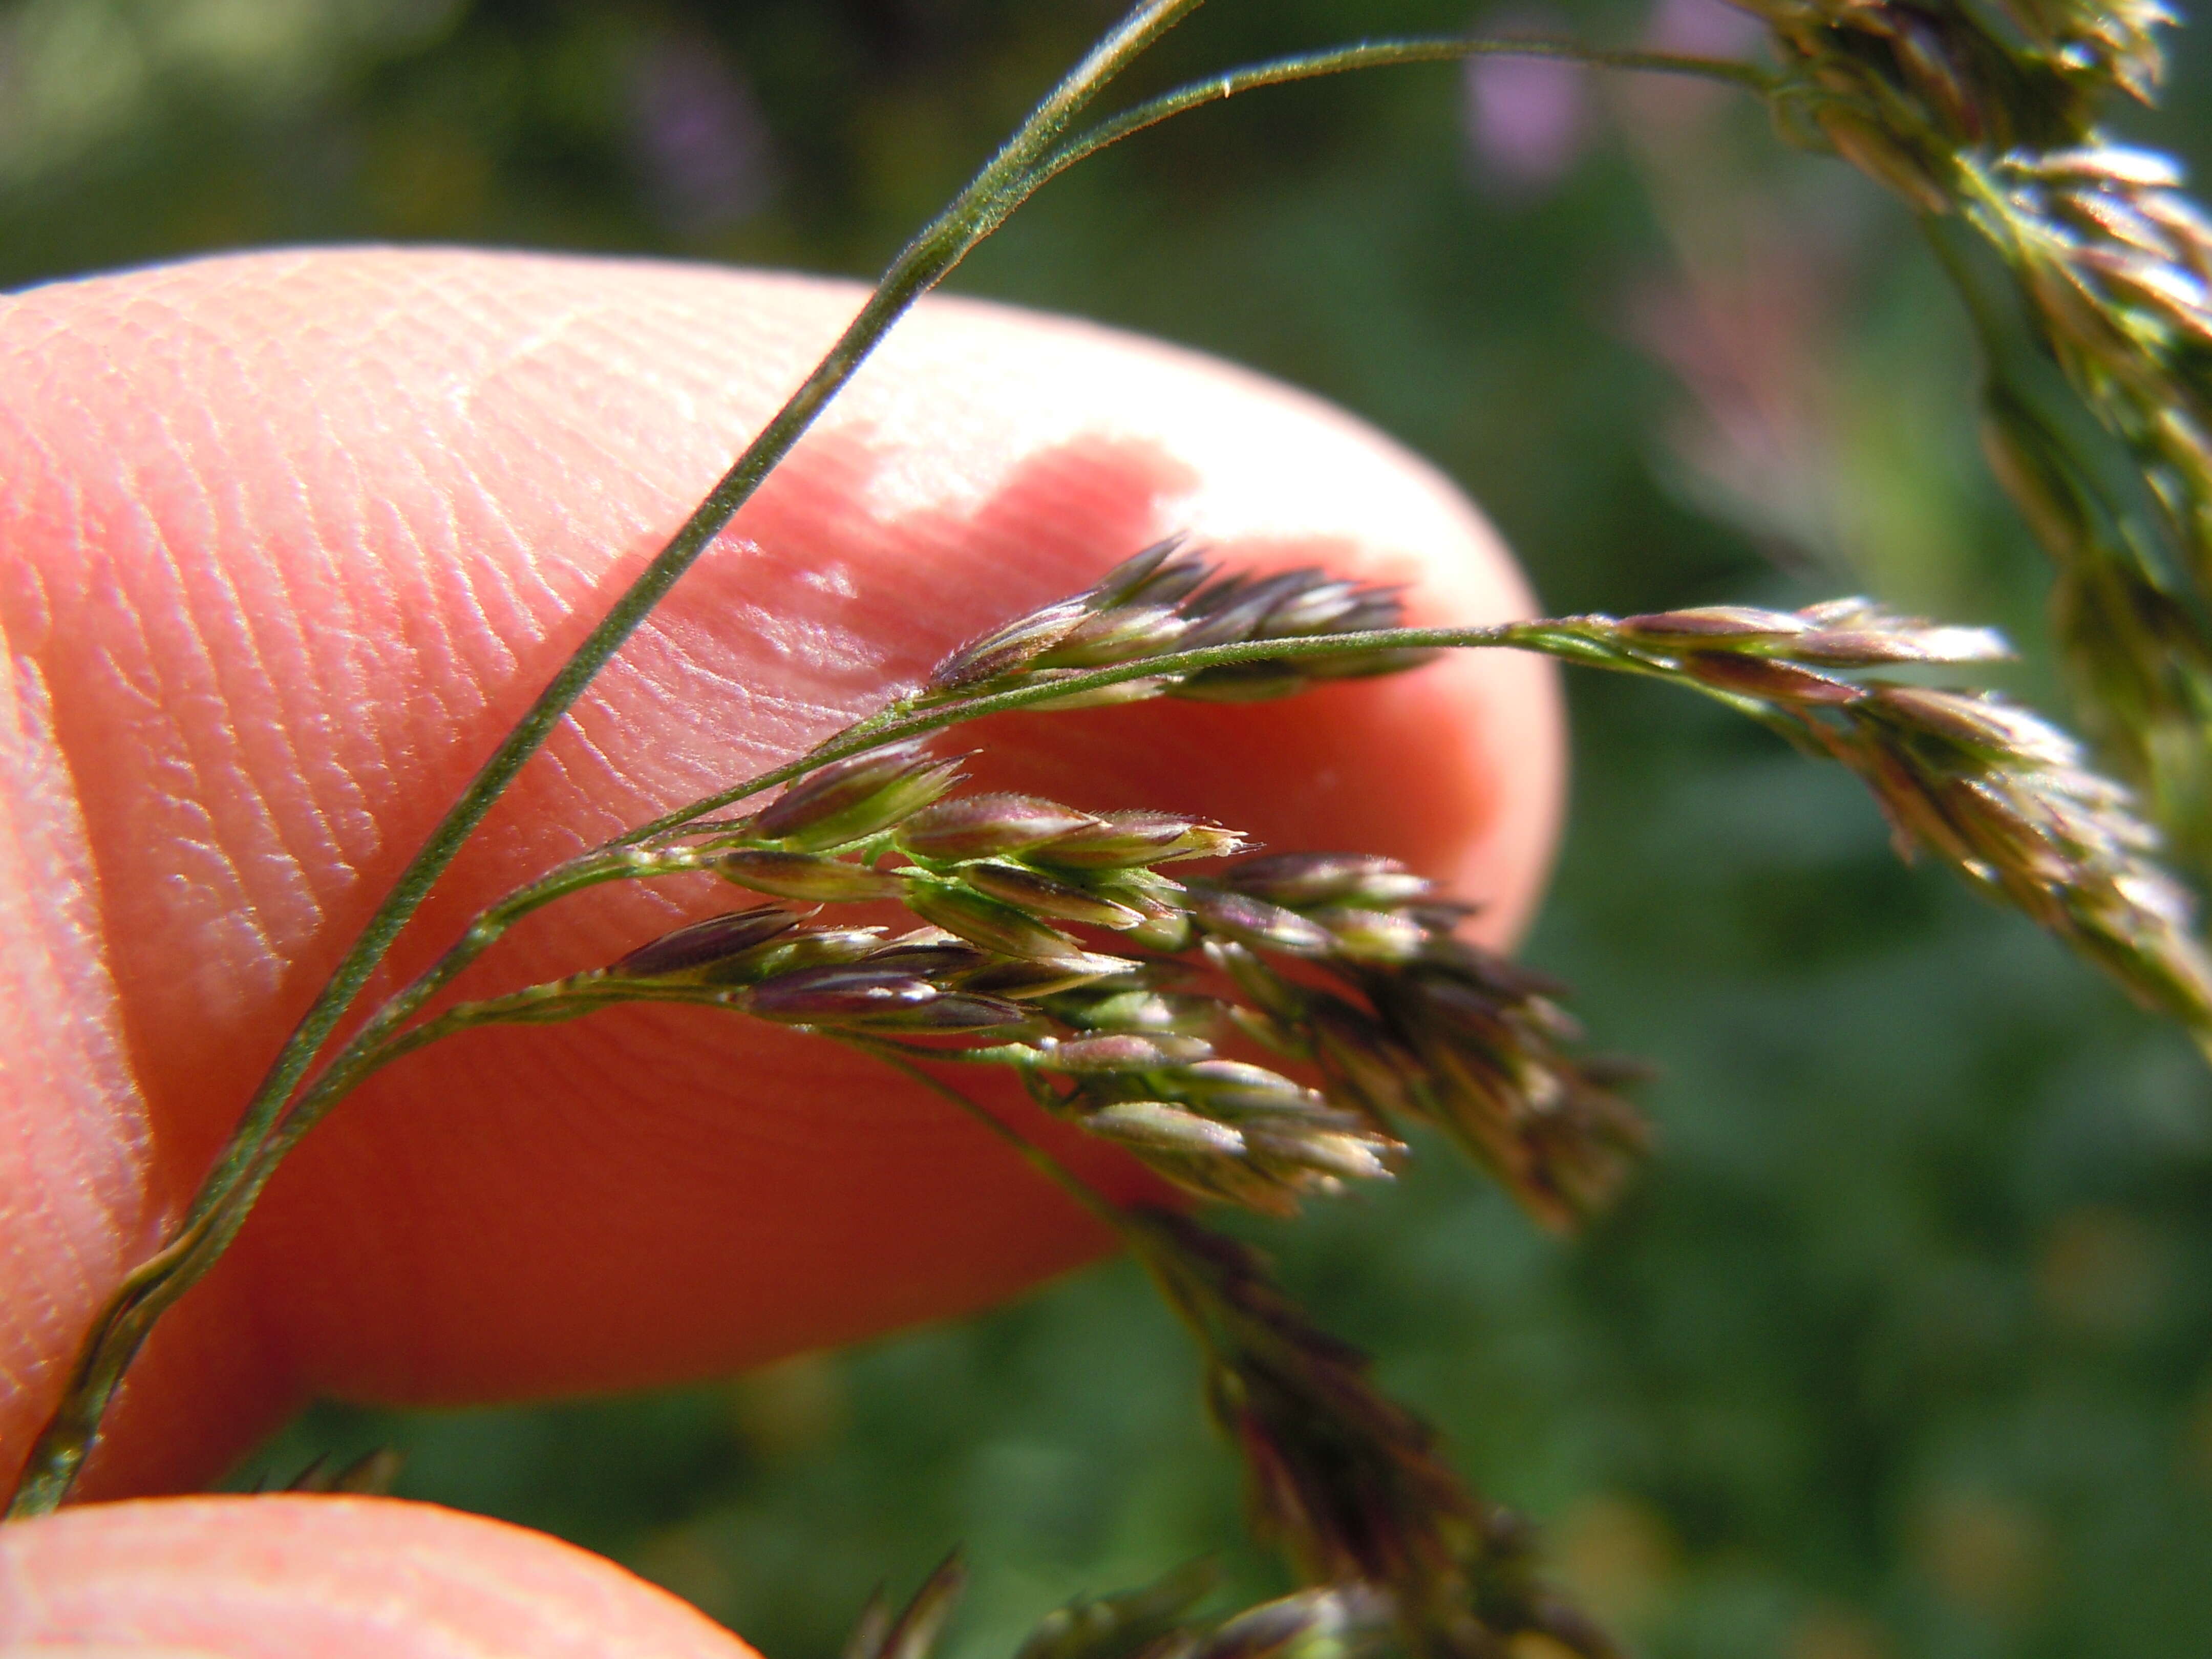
(1989, 788)
(1168, 599)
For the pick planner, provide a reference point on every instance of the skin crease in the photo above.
(291, 538)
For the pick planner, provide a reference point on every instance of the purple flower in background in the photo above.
(1701, 28)
(1526, 119)
(1696, 28)
(700, 136)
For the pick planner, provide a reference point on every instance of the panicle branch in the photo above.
(1054, 942)
(1982, 784)
(1341, 1478)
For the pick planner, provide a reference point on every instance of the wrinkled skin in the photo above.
(289, 541)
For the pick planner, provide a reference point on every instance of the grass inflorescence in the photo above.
(1167, 599)
(1991, 117)
(1262, 1029)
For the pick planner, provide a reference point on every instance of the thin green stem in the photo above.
(593, 869)
(898, 1058)
(1551, 637)
(156, 1283)
(1376, 54)
(1178, 1290)
(220, 1207)
(1183, 1292)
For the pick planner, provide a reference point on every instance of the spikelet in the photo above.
(1167, 598)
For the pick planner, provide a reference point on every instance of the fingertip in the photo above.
(334, 1577)
(300, 534)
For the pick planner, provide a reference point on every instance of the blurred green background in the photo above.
(1904, 1345)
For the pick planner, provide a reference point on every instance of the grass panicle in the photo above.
(1054, 942)
(1990, 117)
(1119, 960)
(1137, 997)
(1406, 1021)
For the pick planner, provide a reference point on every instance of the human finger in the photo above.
(338, 1578)
(294, 537)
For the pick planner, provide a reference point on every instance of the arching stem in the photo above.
(1380, 54)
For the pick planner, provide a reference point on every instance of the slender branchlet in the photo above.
(1994, 791)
